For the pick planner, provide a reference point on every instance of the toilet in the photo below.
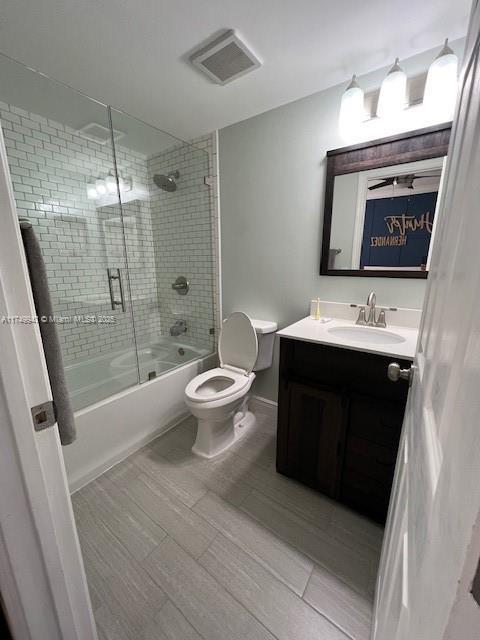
(218, 398)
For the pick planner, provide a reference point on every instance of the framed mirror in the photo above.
(381, 203)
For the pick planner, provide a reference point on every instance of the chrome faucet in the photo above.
(371, 302)
(371, 320)
(178, 328)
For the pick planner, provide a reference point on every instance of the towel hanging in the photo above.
(48, 330)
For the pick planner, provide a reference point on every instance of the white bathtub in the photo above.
(117, 418)
(92, 380)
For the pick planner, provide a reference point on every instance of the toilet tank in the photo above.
(265, 330)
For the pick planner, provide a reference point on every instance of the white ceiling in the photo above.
(131, 53)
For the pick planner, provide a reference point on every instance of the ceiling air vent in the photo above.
(98, 133)
(225, 58)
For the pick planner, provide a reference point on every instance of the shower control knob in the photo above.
(181, 286)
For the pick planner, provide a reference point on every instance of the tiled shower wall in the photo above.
(50, 165)
(184, 222)
(209, 143)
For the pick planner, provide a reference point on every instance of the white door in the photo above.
(42, 579)
(436, 497)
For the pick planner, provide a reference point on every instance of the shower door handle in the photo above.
(111, 277)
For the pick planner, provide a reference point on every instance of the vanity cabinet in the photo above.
(339, 422)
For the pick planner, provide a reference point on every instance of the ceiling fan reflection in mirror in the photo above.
(406, 181)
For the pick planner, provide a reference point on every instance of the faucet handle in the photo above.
(362, 318)
(381, 321)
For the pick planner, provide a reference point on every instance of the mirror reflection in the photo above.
(384, 219)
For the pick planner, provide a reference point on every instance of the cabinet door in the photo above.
(315, 432)
(371, 447)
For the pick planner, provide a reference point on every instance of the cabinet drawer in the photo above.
(379, 422)
(370, 459)
(359, 372)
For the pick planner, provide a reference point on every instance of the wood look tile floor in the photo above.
(180, 548)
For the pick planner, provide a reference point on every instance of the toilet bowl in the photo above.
(218, 398)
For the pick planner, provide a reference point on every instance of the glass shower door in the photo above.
(59, 149)
(168, 223)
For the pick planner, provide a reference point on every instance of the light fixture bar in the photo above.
(401, 103)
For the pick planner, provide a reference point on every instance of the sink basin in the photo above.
(366, 335)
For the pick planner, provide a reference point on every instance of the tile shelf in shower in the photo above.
(112, 200)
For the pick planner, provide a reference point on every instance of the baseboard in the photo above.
(257, 403)
(264, 405)
(134, 446)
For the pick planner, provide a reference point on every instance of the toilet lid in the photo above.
(237, 345)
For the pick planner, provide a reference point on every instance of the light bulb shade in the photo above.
(91, 191)
(392, 98)
(111, 184)
(441, 86)
(101, 187)
(352, 111)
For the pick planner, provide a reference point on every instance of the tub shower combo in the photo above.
(124, 213)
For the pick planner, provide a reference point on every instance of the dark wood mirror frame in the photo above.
(422, 144)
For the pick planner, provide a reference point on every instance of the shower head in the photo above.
(167, 182)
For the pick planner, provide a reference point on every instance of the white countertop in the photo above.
(310, 330)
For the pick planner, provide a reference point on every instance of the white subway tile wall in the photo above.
(182, 234)
(209, 143)
(167, 234)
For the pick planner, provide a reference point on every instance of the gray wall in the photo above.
(272, 180)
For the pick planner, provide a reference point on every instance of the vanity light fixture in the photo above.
(394, 113)
(392, 98)
(351, 109)
(441, 86)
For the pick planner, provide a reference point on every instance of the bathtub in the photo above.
(114, 414)
(92, 380)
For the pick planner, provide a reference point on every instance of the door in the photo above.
(42, 579)
(436, 497)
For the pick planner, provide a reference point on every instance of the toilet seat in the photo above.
(237, 349)
(208, 386)
(238, 343)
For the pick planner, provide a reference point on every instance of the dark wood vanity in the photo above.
(339, 422)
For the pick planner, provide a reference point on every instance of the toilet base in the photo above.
(213, 438)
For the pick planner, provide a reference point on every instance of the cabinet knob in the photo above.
(395, 372)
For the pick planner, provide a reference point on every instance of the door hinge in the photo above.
(43, 415)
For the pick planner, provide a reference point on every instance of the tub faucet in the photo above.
(178, 328)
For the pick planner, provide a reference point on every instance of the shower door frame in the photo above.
(42, 577)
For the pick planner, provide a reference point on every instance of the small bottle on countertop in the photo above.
(315, 309)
